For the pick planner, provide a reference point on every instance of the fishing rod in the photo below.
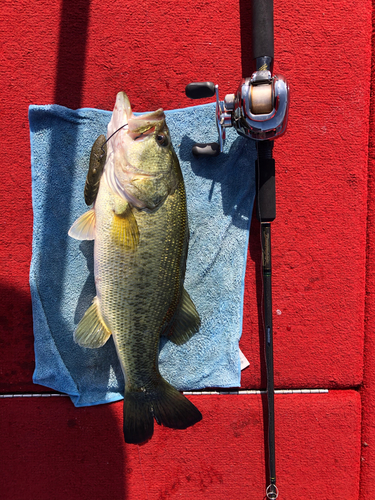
(257, 111)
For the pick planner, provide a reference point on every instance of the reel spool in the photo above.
(259, 109)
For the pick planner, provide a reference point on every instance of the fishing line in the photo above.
(110, 137)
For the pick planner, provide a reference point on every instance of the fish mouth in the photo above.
(123, 117)
(141, 133)
(137, 126)
(142, 126)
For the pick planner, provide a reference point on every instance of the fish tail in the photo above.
(138, 418)
(164, 403)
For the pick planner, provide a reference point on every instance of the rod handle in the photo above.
(262, 28)
(266, 197)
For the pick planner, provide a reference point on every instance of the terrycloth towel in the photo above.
(220, 195)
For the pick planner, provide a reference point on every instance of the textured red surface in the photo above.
(368, 387)
(53, 450)
(80, 54)
(319, 233)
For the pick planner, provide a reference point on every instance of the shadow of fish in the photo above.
(140, 227)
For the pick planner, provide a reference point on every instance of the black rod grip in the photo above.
(199, 90)
(262, 28)
(266, 192)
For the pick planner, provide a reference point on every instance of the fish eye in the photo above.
(162, 140)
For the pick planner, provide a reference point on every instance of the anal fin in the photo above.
(185, 322)
(91, 331)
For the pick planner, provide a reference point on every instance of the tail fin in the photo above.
(165, 403)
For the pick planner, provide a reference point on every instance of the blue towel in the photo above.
(220, 195)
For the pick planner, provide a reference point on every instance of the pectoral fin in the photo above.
(125, 230)
(185, 322)
(91, 331)
(84, 227)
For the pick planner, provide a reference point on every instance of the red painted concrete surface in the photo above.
(80, 54)
(368, 386)
(53, 450)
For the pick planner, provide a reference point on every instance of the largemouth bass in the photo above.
(140, 227)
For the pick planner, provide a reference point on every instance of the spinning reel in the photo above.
(258, 110)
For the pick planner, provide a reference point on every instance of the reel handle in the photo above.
(209, 149)
(200, 90)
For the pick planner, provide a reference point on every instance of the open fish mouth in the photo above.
(142, 123)
(140, 135)
(143, 126)
(134, 170)
(124, 118)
